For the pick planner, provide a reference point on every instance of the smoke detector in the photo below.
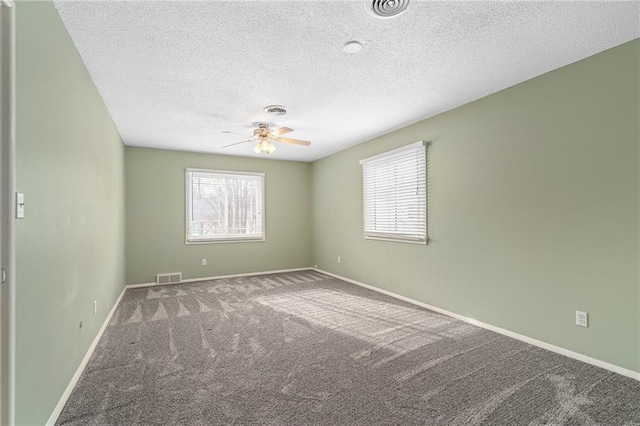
(386, 8)
(275, 110)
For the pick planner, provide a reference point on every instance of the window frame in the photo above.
(417, 240)
(226, 240)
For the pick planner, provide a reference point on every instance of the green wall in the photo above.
(533, 210)
(70, 246)
(155, 182)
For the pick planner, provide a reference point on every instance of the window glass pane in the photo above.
(224, 206)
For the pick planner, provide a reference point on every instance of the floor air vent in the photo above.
(172, 278)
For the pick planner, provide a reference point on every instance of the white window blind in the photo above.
(395, 194)
(224, 206)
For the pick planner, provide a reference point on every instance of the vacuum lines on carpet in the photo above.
(304, 348)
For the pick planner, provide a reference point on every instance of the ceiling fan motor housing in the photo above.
(262, 130)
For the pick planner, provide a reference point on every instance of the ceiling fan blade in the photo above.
(281, 131)
(237, 143)
(294, 141)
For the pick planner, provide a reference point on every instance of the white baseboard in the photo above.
(67, 392)
(575, 355)
(248, 274)
(65, 396)
(544, 345)
(143, 285)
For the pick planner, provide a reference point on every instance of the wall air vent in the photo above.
(386, 8)
(173, 278)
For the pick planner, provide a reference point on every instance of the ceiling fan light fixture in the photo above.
(264, 146)
(263, 137)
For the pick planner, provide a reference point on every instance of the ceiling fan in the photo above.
(264, 138)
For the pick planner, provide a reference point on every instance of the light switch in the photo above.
(19, 205)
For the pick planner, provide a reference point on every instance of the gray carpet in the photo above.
(307, 349)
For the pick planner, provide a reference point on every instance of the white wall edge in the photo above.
(8, 160)
(67, 392)
(539, 343)
(193, 280)
(143, 285)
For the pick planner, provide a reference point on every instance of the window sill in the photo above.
(398, 240)
(237, 240)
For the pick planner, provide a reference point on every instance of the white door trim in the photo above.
(7, 191)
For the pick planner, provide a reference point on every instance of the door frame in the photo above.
(7, 211)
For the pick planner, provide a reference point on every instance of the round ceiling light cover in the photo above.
(352, 46)
(275, 109)
(386, 8)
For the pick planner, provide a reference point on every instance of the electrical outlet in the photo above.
(315, 266)
(582, 319)
(339, 260)
(204, 262)
(95, 307)
(80, 325)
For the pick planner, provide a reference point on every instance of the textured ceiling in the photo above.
(176, 75)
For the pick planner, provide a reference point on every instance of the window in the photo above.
(224, 206)
(395, 194)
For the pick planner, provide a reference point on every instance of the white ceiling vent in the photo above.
(172, 278)
(386, 8)
(275, 110)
